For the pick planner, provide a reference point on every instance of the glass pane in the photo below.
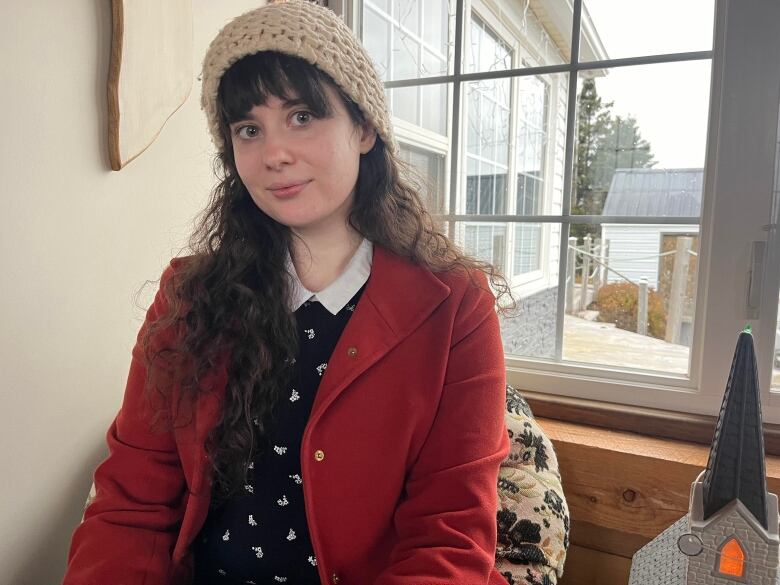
(527, 255)
(630, 296)
(426, 106)
(435, 22)
(406, 55)
(486, 241)
(383, 5)
(527, 248)
(405, 104)
(434, 106)
(430, 176)
(487, 50)
(377, 42)
(541, 29)
(641, 135)
(515, 126)
(420, 44)
(612, 29)
(487, 141)
(407, 13)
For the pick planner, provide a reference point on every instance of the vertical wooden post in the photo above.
(597, 268)
(571, 271)
(679, 285)
(641, 317)
(605, 260)
(586, 249)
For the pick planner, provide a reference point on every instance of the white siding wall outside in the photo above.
(558, 139)
(632, 249)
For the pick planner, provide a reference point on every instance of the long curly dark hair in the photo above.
(228, 298)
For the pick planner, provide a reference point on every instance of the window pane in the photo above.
(435, 24)
(631, 120)
(487, 242)
(406, 55)
(407, 12)
(424, 106)
(630, 296)
(487, 50)
(615, 28)
(532, 143)
(527, 248)
(420, 44)
(383, 5)
(430, 166)
(404, 103)
(434, 108)
(488, 140)
(542, 29)
(377, 42)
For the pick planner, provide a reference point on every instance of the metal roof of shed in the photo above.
(655, 193)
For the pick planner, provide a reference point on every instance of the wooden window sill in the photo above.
(623, 489)
(695, 428)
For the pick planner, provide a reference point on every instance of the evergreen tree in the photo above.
(604, 143)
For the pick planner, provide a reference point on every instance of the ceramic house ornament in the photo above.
(730, 534)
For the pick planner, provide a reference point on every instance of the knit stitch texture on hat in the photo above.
(308, 31)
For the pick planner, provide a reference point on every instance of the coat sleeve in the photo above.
(446, 524)
(131, 525)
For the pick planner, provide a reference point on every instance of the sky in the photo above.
(669, 101)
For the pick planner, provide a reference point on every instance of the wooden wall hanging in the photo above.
(150, 75)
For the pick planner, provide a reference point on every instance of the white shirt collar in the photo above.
(338, 293)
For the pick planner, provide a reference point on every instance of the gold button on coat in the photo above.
(319, 455)
(352, 351)
(335, 579)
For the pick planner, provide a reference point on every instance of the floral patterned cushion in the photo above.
(533, 518)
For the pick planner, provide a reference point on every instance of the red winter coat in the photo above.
(400, 455)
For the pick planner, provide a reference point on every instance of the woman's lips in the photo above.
(289, 191)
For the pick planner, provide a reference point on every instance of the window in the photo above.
(430, 167)
(533, 98)
(583, 154)
(731, 559)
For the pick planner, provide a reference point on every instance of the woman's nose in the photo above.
(276, 151)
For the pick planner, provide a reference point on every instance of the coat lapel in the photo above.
(399, 296)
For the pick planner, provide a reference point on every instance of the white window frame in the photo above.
(738, 209)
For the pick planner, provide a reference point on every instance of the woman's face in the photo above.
(281, 144)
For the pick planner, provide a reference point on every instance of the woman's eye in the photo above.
(303, 117)
(246, 131)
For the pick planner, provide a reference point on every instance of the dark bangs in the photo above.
(250, 80)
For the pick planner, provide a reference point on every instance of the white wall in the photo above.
(77, 242)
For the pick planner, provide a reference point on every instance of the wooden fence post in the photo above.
(597, 268)
(678, 290)
(586, 249)
(641, 317)
(571, 271)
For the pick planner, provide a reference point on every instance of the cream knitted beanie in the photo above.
(308, 31)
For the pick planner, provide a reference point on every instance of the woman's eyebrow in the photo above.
(291, 103)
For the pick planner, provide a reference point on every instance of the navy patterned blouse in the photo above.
(262, 535)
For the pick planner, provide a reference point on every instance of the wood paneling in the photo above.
(591, 567)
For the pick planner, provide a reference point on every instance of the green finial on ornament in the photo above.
(748, 329)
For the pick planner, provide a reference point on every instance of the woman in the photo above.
(317, 393)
